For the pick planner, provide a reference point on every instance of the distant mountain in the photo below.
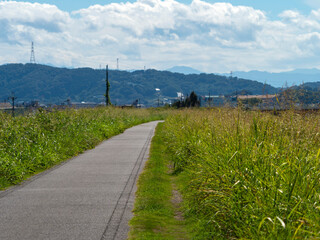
(183, 70)
(55, 85)
(310, 71)
(282, 79)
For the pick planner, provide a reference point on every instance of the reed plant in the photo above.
(246, 174)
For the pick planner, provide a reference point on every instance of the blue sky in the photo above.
(272, 7)
(211, 36)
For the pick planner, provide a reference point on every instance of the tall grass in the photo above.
(248, 175)
(29, 144)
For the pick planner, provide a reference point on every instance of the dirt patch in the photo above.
(176, 202)
(170, 169)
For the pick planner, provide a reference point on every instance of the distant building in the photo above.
(137, 104)
(262, 97)
(5, 105)
(259, 101)
(180, 96)
(213, 101)
(84, 104)
(70, 104)
(34, 104)
(31, 105)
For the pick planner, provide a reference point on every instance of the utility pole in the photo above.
(209, 100)
(12, 98)
(118, 64)
(108, 102)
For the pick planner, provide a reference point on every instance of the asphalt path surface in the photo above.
(88, 197)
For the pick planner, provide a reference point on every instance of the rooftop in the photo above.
(256, 96)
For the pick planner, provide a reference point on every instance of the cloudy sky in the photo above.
(211, 36)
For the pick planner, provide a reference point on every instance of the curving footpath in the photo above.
(90, 196)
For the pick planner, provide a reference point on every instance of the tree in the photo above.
(194, 101)
(190, 101)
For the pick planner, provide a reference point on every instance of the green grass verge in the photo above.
(154, 212)
(33, 143)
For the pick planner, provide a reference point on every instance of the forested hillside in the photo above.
(55, 85)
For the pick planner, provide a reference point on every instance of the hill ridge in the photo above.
(54, 85)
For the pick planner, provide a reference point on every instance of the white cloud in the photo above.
(211, 37)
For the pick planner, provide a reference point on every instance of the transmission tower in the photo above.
(32, 57)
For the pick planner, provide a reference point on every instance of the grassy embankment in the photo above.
(30, 144)
(156, 212)
(247, 175)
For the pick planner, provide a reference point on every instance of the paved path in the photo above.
(88, 197)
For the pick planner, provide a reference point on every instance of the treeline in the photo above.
(301, 94)
(55, 85)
